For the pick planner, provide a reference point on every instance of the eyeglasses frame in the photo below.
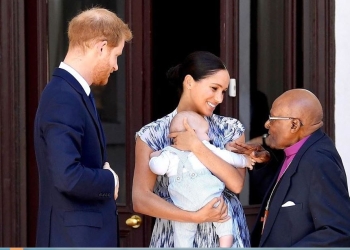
(284, 118)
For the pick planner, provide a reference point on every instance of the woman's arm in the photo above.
(147, 202)
(231, 176)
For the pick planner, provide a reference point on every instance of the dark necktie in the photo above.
(91, 97)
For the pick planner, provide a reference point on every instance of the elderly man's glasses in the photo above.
(271, 118)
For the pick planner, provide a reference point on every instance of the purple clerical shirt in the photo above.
(290, 153)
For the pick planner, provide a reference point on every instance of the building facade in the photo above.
(268, 46)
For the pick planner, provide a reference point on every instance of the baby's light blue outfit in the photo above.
(192, 185)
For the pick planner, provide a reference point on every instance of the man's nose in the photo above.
(115, 67)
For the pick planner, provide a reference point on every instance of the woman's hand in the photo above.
(255, 151)
(213, 211)
(185, 140)
(188, 140)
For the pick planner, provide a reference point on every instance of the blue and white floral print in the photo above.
(221, 131)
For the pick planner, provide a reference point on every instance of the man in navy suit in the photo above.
(77, 187)
(308, 203)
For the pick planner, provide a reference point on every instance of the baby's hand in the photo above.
(250, 162)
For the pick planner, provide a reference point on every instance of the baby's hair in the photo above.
(193, 119)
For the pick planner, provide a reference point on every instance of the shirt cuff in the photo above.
(116, 179)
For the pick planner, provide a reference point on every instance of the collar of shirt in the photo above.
(292, 150)
(77, 76)
(290, 153)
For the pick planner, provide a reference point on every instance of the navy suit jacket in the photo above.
(316, 182)
(76, 195)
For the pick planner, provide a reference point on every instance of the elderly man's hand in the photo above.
(255, 151)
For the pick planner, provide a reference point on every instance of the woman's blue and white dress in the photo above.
(221, 131)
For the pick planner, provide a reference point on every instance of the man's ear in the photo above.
(101, 45)
(295, 126)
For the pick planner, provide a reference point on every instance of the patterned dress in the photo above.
(221, 131)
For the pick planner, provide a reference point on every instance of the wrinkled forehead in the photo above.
(289, 109)
(280, 108)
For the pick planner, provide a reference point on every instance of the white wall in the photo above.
(244, 80)
(342, 82)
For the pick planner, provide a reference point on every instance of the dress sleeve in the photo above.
(155, 134)
(224, 129)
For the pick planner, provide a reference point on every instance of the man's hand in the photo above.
(116, 179)
(255, 151)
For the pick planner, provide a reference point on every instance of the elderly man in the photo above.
(308, 203)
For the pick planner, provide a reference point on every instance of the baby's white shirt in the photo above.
(167, 162)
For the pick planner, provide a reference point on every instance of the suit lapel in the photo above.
(284, 185)
(78, 88)
(277, 199)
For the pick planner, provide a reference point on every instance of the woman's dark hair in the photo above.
(199, 65)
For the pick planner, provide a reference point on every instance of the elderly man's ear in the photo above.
(295, 125)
